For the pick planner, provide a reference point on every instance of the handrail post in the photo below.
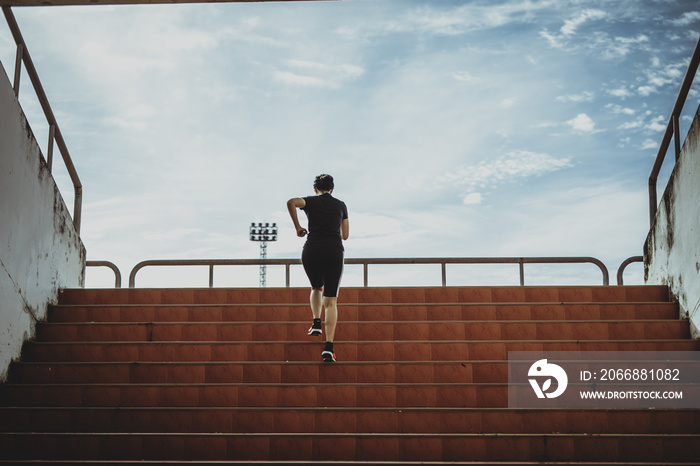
(18, 68)
(365, 267)
(49, 150)
(78, 208)
(286, 274)
(521, 266)
(653, 201)
(211, 275)
(676, 136)
(444, 273)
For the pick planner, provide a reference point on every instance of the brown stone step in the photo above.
(335, 463)
(395, 295)
(302, 446)
(368, 331)
(459, 350)
(328, 394)
(431, 420)
(255, 372)
(261, 372)
(363, 312)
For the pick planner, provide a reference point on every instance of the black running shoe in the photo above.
(315, 328)
(328, 354)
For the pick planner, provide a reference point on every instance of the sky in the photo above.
(519, 128)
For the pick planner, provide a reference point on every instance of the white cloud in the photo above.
(631, 125)
(291, 78)
(463, 76)
(620, 92)
(308, 73)
(508, 102)
(570, 25)
(472, 199)
(687, 18)
(617, 109)
(582, 123)
(646, 90)
(585, 96)
(134, 118)
(657, 124)
(507, 168)
(618, 47)
(650, 144)
(454, 21)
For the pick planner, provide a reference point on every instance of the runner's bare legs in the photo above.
(331, 307)
(316, 301)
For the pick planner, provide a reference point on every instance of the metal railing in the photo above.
(672, 132)
(54, 131)
(115, 269)
(442, 261)
(623, 266)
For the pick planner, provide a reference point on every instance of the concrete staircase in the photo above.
(229, 375)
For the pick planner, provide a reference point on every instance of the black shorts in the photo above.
(323, 265)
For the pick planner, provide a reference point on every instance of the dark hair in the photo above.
(323, 182)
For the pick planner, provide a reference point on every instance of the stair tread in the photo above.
(370, 322)
(366, 304)
(361, 434)
(651, 412)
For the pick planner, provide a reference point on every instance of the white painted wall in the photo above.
(40, 251)
(672, 249)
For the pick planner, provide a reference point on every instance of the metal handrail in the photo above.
(115, 269)
(624, 265)
(54, 131)
(443, 261)
(672, 132)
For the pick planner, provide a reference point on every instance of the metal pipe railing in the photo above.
(672, 132)
(442, 261)
(115, 269)
(624, 265)
(54, 131)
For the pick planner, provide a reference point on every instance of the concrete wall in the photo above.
(40, 251)
(672, 249)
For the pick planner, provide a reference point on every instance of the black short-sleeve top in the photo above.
(325, 214)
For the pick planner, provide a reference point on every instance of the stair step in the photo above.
(396, 295)
(431, 420)
(262, 372)
(303, 446)
(367, 331)
(335, 463)
(363, 312)
(327, 394)
(458, 350)
(255, 372)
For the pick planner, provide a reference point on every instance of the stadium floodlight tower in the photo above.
(262, 233)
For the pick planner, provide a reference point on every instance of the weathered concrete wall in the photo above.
(672, 249)
(40, 251)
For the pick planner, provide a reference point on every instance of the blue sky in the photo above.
(452, 128)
